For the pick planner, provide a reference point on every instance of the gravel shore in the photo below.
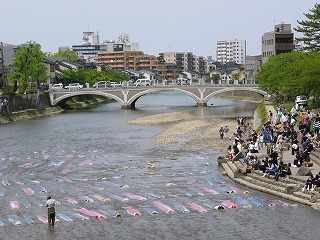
(184, 131)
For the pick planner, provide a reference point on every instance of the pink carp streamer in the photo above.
(163, 207)
(91, 213)
(211, 191)
(197, 207)
(229, 204)
(135, 197)
(132, 211)
(28, 191)
(15, 205)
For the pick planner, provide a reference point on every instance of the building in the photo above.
(280, 40)
(231, 51)
(136, 61)
(122, 44)
(187, 61)
(252, 67)
(183, 60)
(8, 51)
(89, 48)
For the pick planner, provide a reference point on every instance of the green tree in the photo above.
(310, 29)
(235, 76)
(69, 54)
(161, 58)
(290, 74)
(83, 76)
(28, 69)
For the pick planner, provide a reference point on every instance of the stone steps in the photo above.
(271, 180)
(315, 157)
(266, 187)
(255, 181)
(265, 184)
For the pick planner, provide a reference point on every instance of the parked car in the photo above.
(115, 84)
(102, 84)
(142, 82)
(301, 100)
(74, 86)
(183, 81)
(57, 86)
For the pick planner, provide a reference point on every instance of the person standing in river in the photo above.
(221, 132)
(50, 204)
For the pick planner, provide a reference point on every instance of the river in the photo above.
(88, 154)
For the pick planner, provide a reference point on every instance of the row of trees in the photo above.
(28, 70)
(290, 74)
(83, 76)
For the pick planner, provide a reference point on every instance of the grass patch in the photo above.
(262, 112)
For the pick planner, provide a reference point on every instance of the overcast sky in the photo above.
(158, 26)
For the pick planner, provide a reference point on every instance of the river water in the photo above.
(87, 154)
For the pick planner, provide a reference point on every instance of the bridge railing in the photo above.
(162, 83)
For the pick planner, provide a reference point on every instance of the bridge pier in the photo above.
(129, 106)
(202, 104)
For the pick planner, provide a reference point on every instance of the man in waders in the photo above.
(51, 211)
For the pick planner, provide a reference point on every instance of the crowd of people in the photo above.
(280, 132)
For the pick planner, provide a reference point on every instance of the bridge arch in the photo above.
(263, 93)
(136, 97)
(98, 93)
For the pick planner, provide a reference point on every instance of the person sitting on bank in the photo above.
(283, 172)
(50, 204)
(263, 166)
(256, 163)
(271, 169)
(316, 182)
(298, 160)
(308, 185)
(280, 169)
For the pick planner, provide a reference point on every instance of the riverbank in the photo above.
(34, 113)
(186, 132)
(28, 114)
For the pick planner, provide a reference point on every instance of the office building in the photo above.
(280, 40)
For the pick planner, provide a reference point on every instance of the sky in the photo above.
(158, 26)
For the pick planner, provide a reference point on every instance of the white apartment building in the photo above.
(231, 51)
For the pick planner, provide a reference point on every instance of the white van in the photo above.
(142, 82)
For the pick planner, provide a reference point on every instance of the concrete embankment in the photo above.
(28, 114)
(289, 188)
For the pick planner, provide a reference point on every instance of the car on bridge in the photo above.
(142, 82)
(102, 84)
(57, 87)
(115, 84)
(183, 81)
(74, 86)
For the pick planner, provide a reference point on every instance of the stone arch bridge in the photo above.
(128, 96)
